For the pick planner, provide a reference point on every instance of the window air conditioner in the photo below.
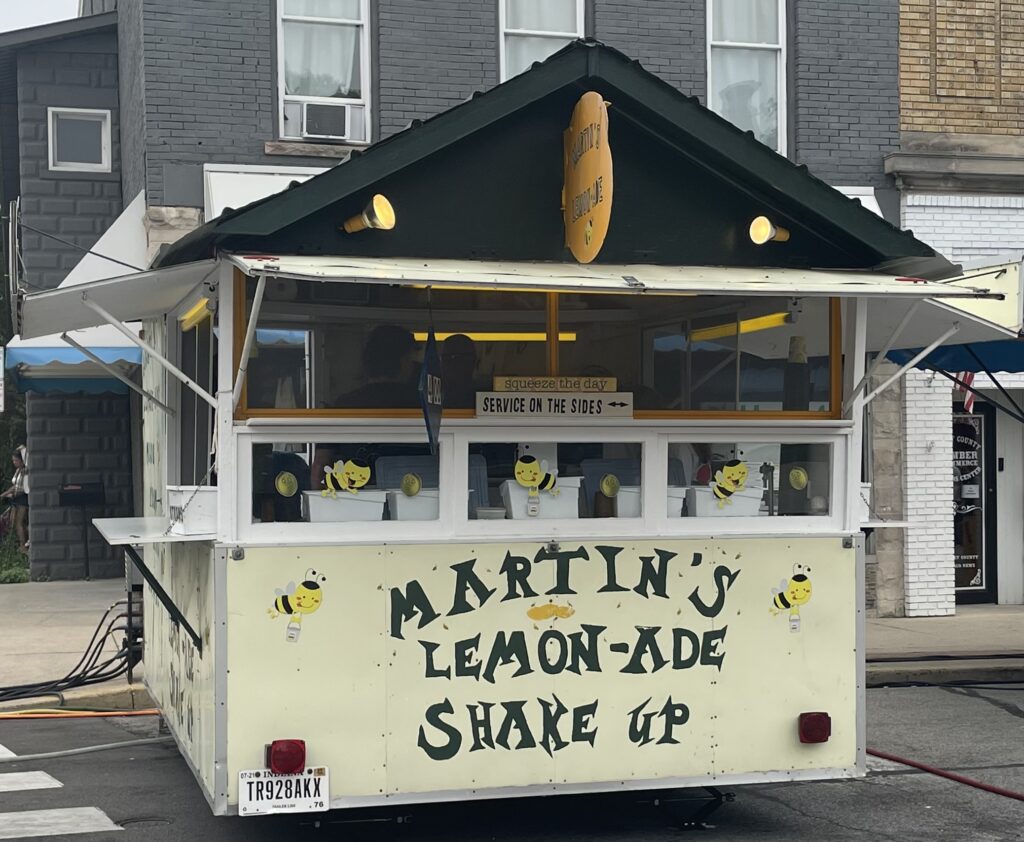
(322, 120)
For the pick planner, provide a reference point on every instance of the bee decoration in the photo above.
(296, 601)
(731, 478)
(534, 476)
(791, 594)
(345, 476)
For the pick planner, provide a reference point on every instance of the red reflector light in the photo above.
(286, 757)
(815, 727)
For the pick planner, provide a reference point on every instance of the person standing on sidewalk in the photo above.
(18, 495)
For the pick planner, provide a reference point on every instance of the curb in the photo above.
(114, 697)
(945, 672)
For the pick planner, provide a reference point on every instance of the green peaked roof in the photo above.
(483, 180)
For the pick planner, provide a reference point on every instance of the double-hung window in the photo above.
(747, 66)
(531, 30)
(324, 77)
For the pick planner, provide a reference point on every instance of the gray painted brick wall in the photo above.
(666, 36)
(844, 97)
(132, 99)
(210, 91)
(208, 69)
(75, 438)
(77, 73)
(431, 59)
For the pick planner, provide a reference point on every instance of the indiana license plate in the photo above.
(261, 792)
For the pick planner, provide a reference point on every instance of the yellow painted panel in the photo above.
(452, 667)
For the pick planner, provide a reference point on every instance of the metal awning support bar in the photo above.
(113, 372)
(1016, 416)
(156, 355)
(177, 617)
(880, 356)
(911, 363)
(250, 334)
(994, 379)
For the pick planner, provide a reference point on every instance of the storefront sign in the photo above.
(555, 404)
(968, 504)
(540, 383)
(497, 664)
(587, 193)
(431, 390)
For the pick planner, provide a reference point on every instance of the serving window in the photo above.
(344, 482)
(555, 481)
(750, 479)
(356, 349)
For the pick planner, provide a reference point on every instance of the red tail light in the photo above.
(815, 727)
(286, 757)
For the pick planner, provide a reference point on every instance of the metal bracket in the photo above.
(113, 372)
(847, 543)
(177, 617)
(160, 358)
(237, 553)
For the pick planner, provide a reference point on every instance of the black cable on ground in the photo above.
(928, 658)
(980, 684)
(88, 670)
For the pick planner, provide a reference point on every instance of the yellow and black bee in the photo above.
(295, 601)
(345, 476)
(534, 476)
(730, 479)
(790, 595)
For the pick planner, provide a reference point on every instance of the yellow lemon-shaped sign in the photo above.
(286, 484)
(587, 194)
(411, 485)
(798, 478)
(610, 485)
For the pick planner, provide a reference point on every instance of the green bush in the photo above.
(13, 562)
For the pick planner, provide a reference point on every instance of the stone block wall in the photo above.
(76, 438)
(886, 419)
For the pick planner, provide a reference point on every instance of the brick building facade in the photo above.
(197, 85)
(960, 171)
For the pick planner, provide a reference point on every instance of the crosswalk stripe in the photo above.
(49, 823)
(18, 781)
(6, 752)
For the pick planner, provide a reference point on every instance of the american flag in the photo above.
(967, 379)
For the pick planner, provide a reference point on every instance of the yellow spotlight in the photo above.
(377, 214)
(706, 334)
(498, 336)
(196, 314)
(762, 230)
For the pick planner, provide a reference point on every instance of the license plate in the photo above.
(260, 792)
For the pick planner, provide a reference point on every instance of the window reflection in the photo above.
(717, 479)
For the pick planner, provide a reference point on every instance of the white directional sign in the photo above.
(555, 404)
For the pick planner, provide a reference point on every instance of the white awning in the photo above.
(602, 278)
(154, 293)
(129, 298)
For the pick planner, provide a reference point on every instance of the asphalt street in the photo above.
(148, 793)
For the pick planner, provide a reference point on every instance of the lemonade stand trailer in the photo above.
(453, 656)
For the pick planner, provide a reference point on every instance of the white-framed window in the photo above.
(79, 139)
(531, 30)
(747, 66)
(324, 69)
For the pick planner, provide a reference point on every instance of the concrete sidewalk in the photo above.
(46, 626)
(946, 649)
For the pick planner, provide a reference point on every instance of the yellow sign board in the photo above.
(587, 194)
(558, 383)
(452, 667)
